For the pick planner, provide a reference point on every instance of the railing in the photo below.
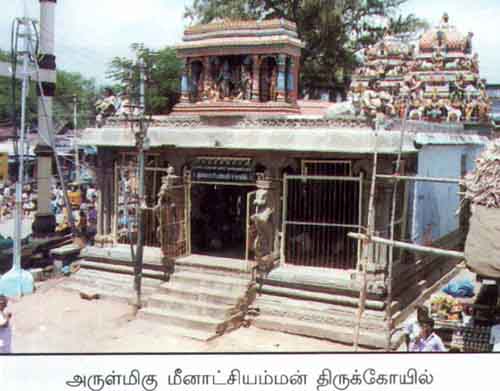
(319, 211)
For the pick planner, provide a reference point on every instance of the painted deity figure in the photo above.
(467, 44)
(434, 108)
(438, 60)
(246, 83)
(225, 81)
(262, 219)
(445, 22)
(106, 107)
(475, 63)
(372, 101)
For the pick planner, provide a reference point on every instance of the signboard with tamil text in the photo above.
(214, 169)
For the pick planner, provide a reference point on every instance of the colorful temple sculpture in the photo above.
(438, 81)
(239, 67)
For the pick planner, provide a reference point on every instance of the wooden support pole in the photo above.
(409, 246)
(419, 178)
(366, 242)
(392, 232)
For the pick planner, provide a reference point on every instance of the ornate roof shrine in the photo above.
(440, 82)
(240, 67)
(258, 35)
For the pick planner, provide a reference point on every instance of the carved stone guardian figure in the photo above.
(169, 212)
(264, 220)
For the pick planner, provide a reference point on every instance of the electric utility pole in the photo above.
(18, 282)
(75, 140)
(141, 144)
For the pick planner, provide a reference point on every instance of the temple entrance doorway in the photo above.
(218, 219)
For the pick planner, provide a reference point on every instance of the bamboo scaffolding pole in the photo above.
(419, 178)
(408, 246)
(397, 173)
(367, 241)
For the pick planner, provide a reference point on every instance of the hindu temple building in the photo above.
(250, 192)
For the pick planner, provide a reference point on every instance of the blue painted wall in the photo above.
(435, 212)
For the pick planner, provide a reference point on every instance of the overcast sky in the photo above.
(90, 33)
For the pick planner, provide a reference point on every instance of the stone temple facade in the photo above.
(247, 183)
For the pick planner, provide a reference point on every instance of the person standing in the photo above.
(428, 340)
(414, 328)
(5, 329)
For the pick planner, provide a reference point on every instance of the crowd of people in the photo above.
(8, 201)
(82, 200)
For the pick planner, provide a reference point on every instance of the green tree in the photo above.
(70, 85)
(163, 73)
(333, 30)
(5, 86)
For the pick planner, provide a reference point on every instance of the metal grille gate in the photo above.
(318, 212)
(126, 202)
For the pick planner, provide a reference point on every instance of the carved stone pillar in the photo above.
(256, 78)
(292, 87)
(281, 76)
(292, 83)
(185, 81)
(207, 72)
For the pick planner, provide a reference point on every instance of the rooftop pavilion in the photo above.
(240, 67)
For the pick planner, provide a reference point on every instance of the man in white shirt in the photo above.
(428, 341)
(414, 328)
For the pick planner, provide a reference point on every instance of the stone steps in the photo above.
(197, 307)
(109, 284)
(208, 280)
(204, 294)
(194, 292)
(216, 264)
(107, 293)
(90, 275)
(189, 322)
(119, 269)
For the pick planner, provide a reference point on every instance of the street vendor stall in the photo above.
(464, 324)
